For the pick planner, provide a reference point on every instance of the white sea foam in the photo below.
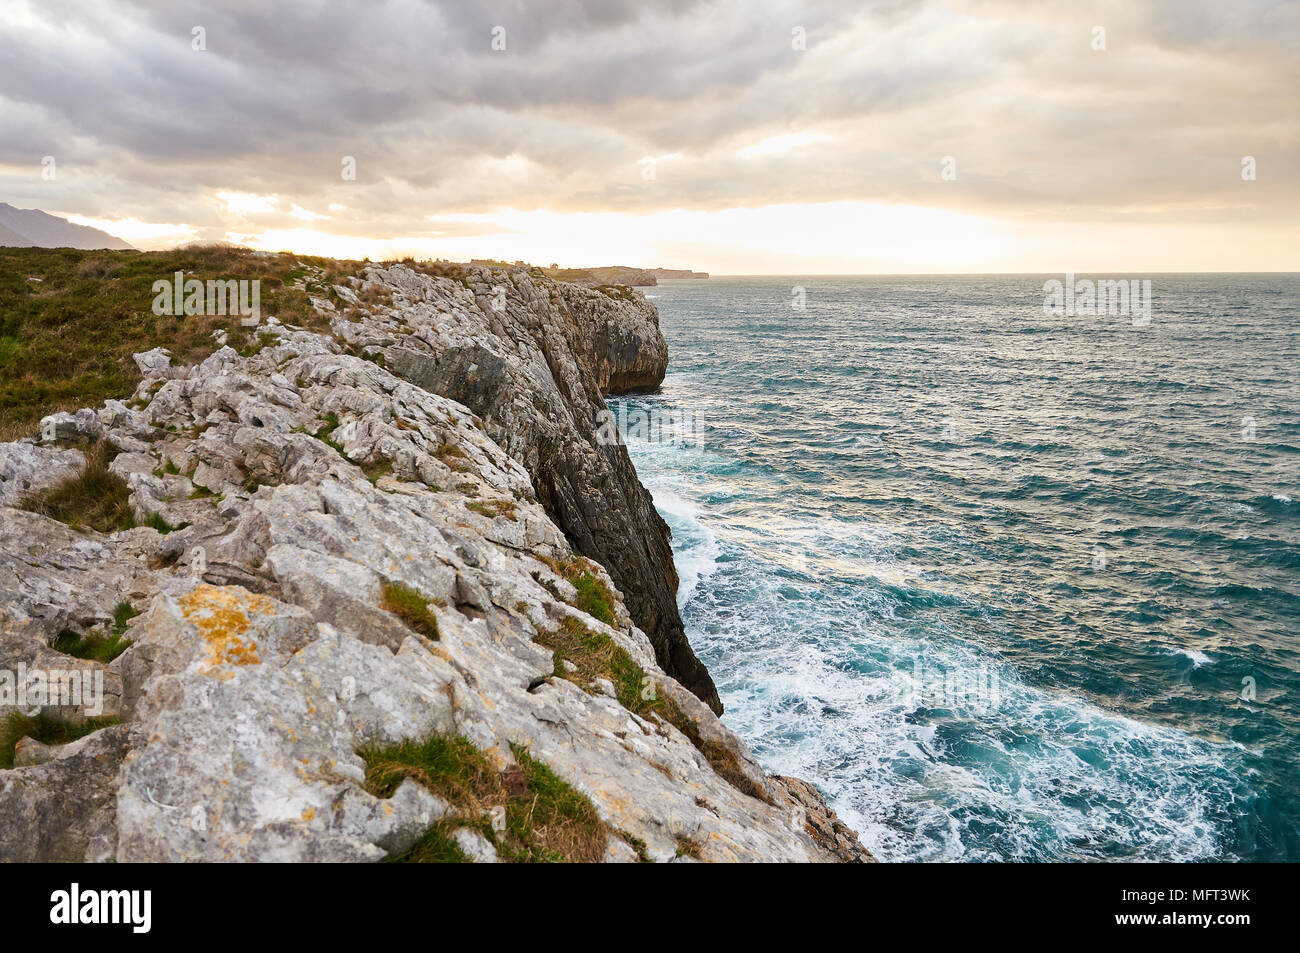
(823, 690)
(817, 665)
(1197, 658)
(695, 547)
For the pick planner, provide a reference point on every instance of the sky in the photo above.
(757, 137)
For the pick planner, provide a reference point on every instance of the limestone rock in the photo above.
(29, 751)
(27, 468)
(533, 359)
(63, 810)
(304, 481)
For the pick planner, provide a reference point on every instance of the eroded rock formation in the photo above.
(435, 442)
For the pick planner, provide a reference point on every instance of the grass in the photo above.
(686, 847)
(44, 729)
(377, 469)
(97, 645)
(324, 433)
(493, 508)
(638, 845)
(528, 812)
(95, 498)
(411, 607)
(156, 521)
(595, 655)
(67, 340)
(594, 596)
(254, 343)
(447, 452)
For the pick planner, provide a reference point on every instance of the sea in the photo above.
(1007, 581)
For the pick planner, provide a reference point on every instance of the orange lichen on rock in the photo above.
(221, 614)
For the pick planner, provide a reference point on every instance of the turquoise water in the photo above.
(1005, 585)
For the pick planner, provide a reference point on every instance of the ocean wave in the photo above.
(1069, 506)
(1197, 659)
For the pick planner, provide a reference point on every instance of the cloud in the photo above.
(1040, 125)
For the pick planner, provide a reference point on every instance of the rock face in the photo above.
(533, 359)
(304, 480)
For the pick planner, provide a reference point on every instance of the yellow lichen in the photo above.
(221, 614)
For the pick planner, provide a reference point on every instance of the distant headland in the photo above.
(620, 275)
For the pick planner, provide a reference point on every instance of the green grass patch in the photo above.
(67, 340)
(156, 521)
(596, 655)
(324, 433)
(376, 469)
(15, 726)
(98, 645)
(95, 498)
(594, 596)
(411, 607)
(254, 343)
(493, 508)
(540, 817)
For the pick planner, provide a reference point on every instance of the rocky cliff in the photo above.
(533, 358)
(604, 276)
(363, 594)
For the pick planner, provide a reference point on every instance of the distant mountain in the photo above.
(27, 227)
(11, 238)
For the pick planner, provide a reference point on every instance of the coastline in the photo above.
(276, 493)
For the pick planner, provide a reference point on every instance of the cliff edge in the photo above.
(365, 594)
